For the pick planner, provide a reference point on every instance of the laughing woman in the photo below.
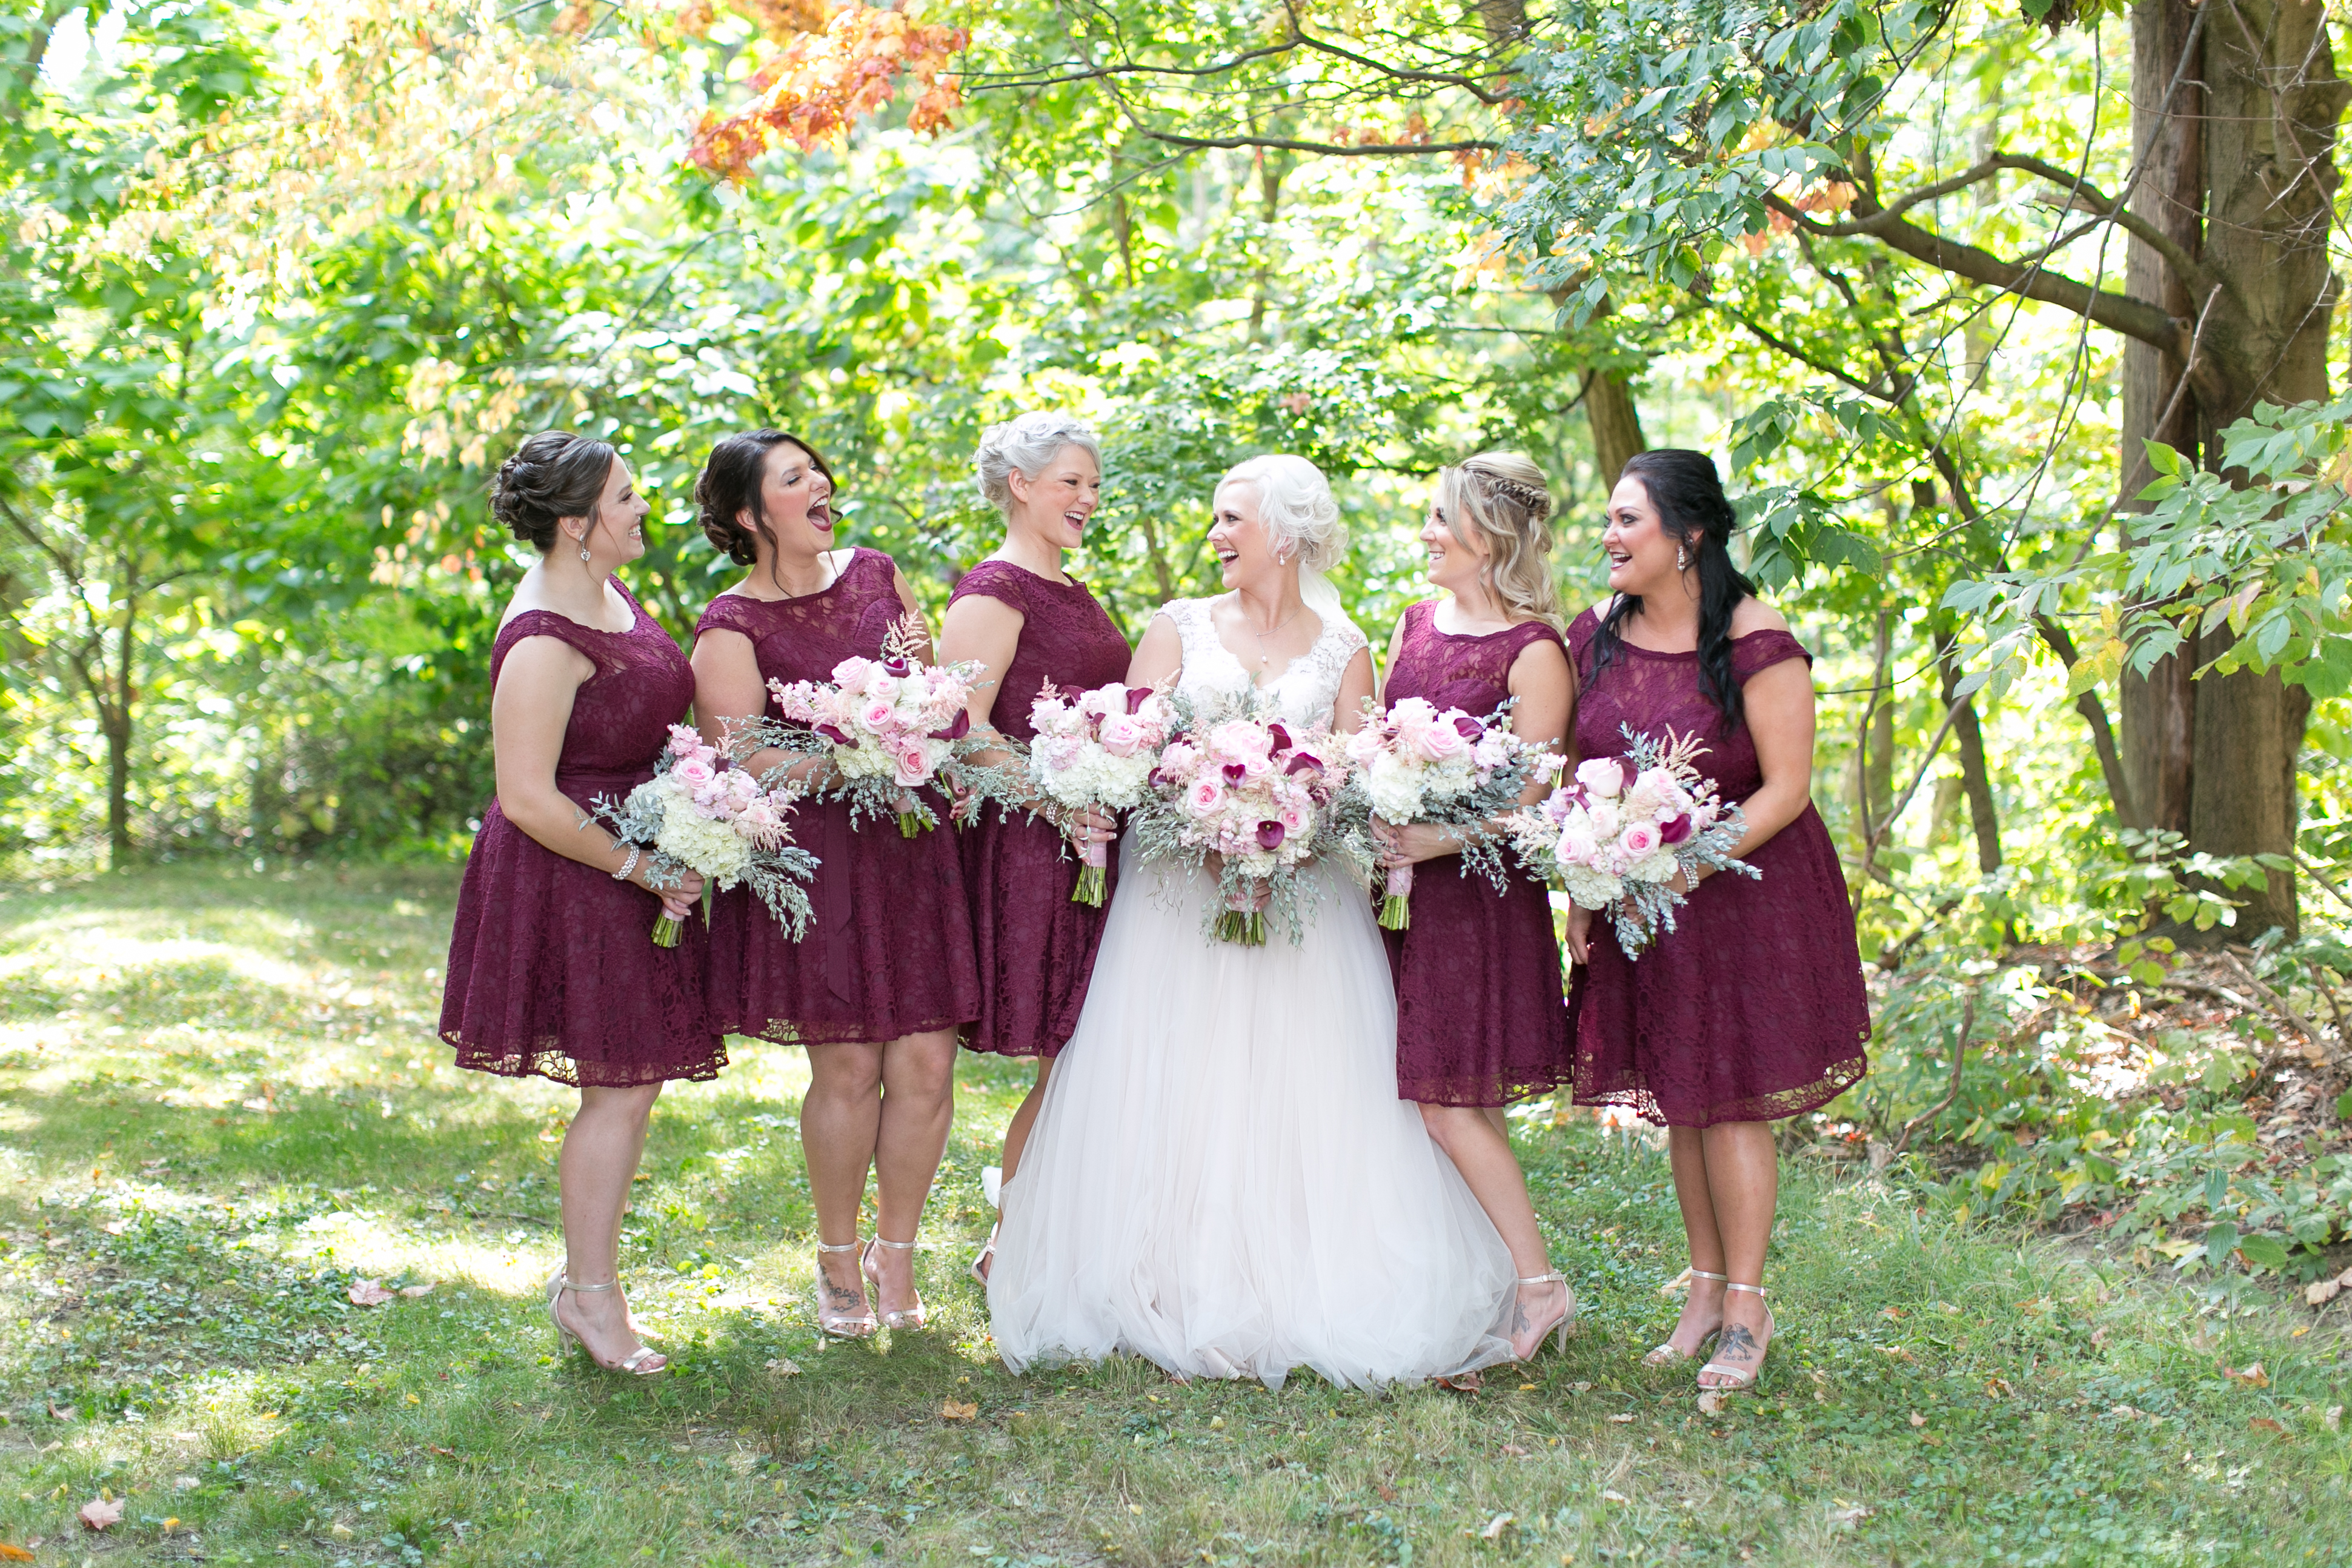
(1752, 1007)
(884, 977)
(1480, 1018)
(1031, 624)
(552, 969)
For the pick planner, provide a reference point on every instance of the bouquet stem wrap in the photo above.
(1090, 889)
(1396, 906)
(1241, 923)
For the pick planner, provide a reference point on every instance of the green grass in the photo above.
(221, 1099)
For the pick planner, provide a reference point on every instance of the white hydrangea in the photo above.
(1395, 788)
(1659, 865)
(713, 849)
(1590, 889)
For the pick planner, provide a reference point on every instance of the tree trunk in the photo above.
(1615, 422)
(2241, 173)
(1976, 777)
(114, 720)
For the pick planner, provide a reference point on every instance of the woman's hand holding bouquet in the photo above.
(1419, 764)
(700, 813)
(1616, 836)
(887, 726)
(1096, 751)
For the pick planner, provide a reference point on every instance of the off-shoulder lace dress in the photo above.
(1752, 1008)
(1035, 947)
(553, 967)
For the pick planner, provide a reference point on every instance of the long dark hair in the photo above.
(1694, 510)
(730, 484)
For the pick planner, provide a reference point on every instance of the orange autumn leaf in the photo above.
(819, 84)
(14, 1554)
(957, 1410)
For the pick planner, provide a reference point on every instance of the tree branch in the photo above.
(1330, 149)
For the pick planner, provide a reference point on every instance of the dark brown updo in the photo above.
(552, 474)
(730, 485)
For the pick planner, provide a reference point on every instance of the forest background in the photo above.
(2010, 327)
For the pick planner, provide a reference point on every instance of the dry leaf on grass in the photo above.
(1515, 1451)
(1917, 1419)
(412, 1290)
(368, 1293)
(100, 1513)
(784, 1367)
(1626, 1417)
(1847, 1518)
(2333, 1418)
(2251, 1377)
(2319, 1292)
(1496, 1526)
(2000, 1387)
(957, 1410)
(1614, 1497)
(14, 1553)
(2264, 1424)
(1711, 1401)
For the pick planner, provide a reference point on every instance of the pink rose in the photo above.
(1639, 841)
(913, 767)
(876, 714)
(1444, 742)
(1121, 735)
(1204, 798)
(854, 675)
(1576, 845)
(1293, 817)
(1604, 777)
(693, 772)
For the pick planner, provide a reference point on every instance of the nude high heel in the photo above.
(912, 1317)
(643, 1362)
(1742, 1377)
(1665, 1354)
(1558, 1327)
(839, 1325)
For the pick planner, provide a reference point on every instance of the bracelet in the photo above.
(628, 865)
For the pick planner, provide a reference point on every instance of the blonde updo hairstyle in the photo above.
(1027, 443)
(1295, 507)
(1502, 497)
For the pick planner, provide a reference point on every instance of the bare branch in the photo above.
(1330, 149)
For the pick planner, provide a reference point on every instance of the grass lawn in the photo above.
(222, 1101)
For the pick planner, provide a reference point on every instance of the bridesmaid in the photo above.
(884, 977)
(552, 968)
(1480, 1018)
(1752, 1008)
(1030, 622)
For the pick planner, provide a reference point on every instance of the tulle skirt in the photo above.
(1221, 1177)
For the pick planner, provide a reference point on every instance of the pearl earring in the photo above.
(1682, 561)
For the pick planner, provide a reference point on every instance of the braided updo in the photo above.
(551, 476)
(1503, 498)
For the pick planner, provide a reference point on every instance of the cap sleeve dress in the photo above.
(889, 952)
(1480, 1016)
(553, 967)
(1035, 949)
(1752, 1008)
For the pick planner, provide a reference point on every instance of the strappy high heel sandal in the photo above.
(987, 1258)
(1558, 1327)
(912, 1317)
(1742, 1377)
(839, 1325)
(643, 1362)
(1665, 1354)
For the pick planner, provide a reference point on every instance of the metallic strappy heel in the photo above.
(839, 1325)
(1665, 1354)
(1558, 1327)
(1743, 1377)
(643, 1362)
(912, 1317)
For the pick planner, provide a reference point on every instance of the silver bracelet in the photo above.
(628, 865)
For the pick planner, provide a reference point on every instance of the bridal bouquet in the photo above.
(698, 813)
(1419, 764)
(1263, 801)
(1096, 749)
(1615, 836)
(887, 725)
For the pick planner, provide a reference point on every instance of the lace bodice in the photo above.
(1470, 672)
(1065, 637)
(621, 715)
(1305, 694)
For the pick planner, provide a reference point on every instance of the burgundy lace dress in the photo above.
(1036, 949)
(1480, 1018)
(552, 966)
(1752, 1008)
(889, 951)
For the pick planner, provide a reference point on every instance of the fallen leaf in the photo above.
(412, 1290)
(2000, 1387)
(1614, 1497)
(2123, 1413)
(2319, 1292)
(1496, 1526)
(100, 1513)
(1388, 1493)
(1847, 1518)
(1917, 1419)
(1527, 1388)
(2099, 1336)
(784, 1367)
(1893, 1314)
(14, 1553)
(2333, 1418)
(1711, 1401)
(1135, 1507)
(1579, 1388)
(2345, 1279)
(2266, 1424)
(65, 1413)
(171, 1524)
(1515, 1451)
(1898, 1353)
(2251, 1377)
(958, 1410)
(1626, 1417)
(368, 1293)
(446, 1453)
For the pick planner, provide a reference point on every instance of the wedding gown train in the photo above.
(1221, 1177)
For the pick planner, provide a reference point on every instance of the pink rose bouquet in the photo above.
(1095, 750)
(700, 813)
(1619, 831)
(1261, 799)
(1417, 762)
(887, 725)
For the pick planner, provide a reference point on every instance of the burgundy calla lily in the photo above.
(895, 666)
(1302, 761)
(958, 730)
(1674, 829)
(836, 736)
(1234, 773)
(1269, 835)
(1466, 727)
(1279, 736)
(1134, 696)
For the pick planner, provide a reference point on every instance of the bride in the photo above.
(1221, 1177)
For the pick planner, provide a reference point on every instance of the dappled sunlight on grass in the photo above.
(185, 1205)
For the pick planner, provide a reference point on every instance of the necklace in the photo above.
(1264, 657)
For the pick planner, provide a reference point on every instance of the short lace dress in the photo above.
(1035, 948)
(552, 968)
(1752, 1008)
(1481, 1019)
(889, 952)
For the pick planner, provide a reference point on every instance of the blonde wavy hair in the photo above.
(1504, 498)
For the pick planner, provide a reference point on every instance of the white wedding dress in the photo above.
(1221, 1177)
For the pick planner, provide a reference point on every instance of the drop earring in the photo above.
(1682, 561)
(584, 551)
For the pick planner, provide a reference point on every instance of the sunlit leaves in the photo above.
(819, 84)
